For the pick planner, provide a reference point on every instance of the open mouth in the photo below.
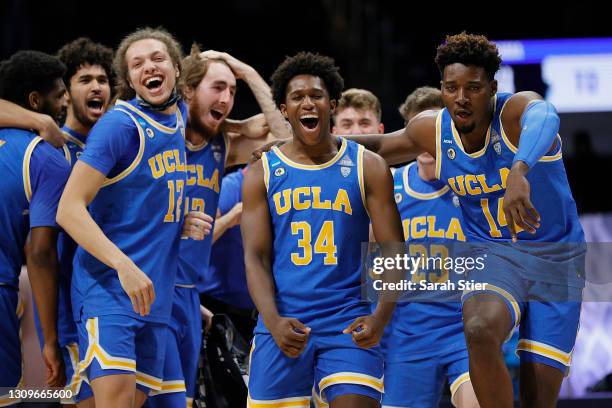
(463, 114)
(309, 122)
(154, 83)
(95, 104)
(217, 115)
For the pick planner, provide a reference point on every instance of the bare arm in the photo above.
(405, 144)
(12, 115)
(43, 271)
(83, 185)
(289, 333)
(227, 221)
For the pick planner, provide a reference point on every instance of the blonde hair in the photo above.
(421, 99)
(360, 99)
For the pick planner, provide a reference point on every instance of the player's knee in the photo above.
(481, 332)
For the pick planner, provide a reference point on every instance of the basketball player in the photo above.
(501, 155)
(358, 112)
(305, 215)
(208, 84)
(426, 345)
(33, 176)
(123, 205)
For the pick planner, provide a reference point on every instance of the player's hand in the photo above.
(197, 225)
(207, 316)
(290, 335)
(366, 331)
(50, 132)
(518, 209)
(52, 357)
(256, 155)
(138, 287)
(240, 69)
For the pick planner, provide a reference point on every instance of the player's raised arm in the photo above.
(289, 334)
(387, 230)
(533, 125)
(405, 144)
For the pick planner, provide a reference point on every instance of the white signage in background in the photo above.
(579, 83)
(505, 79)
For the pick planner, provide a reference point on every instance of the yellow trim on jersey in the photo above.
(189, 402)
(73, 139)
(545, 350)
(318, 402)
(361, 176)
(27, 156)
(514, 304)
(439, 144)
(2, 142)
(462, 379)
(153, 122)
(74, 383)
(350, 378)
(514, 149)
(195, 148)
(67, 154)
(5, 401)
(421, 196)
(169, 387)
(291, 402)
(291, 163)
(266, 169)
(482, 151)
(137, 159)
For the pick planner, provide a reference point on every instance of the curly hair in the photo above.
(122, 87)
(307, 63)
(469, 49)
(26, 72)
(360, 99)
(83, 51)
(421, 99)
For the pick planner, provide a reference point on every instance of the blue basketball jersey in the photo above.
(431, 219)
(66, 248)
(205, 165)
(33, 176)
(140, 209)
(479, 180)
(319, 222)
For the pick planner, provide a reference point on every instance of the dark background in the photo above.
(387, 47)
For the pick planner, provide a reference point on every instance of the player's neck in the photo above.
(474, 140)
(319, 153)
(426, 173)
(74, 124)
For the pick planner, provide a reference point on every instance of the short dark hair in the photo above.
(421, 99)
(26, 72)
(307, 63)
(469, 49)
(83, 51)
(122, 88)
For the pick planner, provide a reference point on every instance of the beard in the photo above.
(467, 128)
(81, 116)
(197, 124)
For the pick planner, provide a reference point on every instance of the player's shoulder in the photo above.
(26, 136)
(516, 103)
(50, 157)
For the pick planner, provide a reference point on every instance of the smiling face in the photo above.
(351, 121)
(213, 99)
(308, 108)
(151, 72)
(468, 95)
(89, 94)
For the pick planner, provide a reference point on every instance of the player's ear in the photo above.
(493, 87)
(34, 100)
(187, 92)
(283, 109)
(332, 104)
(381, 128)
